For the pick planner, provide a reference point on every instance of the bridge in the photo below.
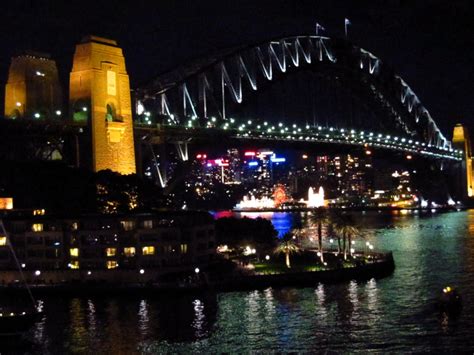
(201, 101)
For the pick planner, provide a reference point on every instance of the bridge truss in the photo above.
(200, 95)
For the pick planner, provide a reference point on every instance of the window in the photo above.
(148, 224)
(41, 212)
(37, 227)
(129, 252)
(3, 240)
(149, 250)
(127, 225)
(110, 251)
(74, 226)
(111, 264)
(74, 252)
(110, 115)
(184, 248)
(74, 264)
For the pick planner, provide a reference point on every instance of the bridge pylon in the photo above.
(100, 97)
(461, 140)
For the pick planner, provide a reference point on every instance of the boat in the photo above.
(18, 321)
(450, 301)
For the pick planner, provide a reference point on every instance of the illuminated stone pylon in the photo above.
(462, 141)
(100, 97)
(33, 90)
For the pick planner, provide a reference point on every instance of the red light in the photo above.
(249, 154)
(199, 156)
(409, 157)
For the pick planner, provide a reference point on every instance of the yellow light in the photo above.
(74, 264)
(305, 156)
(37, 227)
(74, 252)
(111, 264)
(110, 251)
(3, 240)
(409, 157)
(148, 250)
(129, 252)
(6, 203)
(368, 152)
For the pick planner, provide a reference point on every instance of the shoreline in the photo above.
(357, 209)
(381, 268)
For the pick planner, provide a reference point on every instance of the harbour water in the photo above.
(395, 314)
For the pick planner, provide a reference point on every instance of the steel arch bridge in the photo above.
(198, 97)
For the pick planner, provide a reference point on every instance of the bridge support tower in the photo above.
(100, 97)
(461, 140)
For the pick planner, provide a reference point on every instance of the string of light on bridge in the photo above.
(253, 129)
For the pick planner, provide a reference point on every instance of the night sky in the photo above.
(429, 43)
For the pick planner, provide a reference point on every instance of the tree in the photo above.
(319, 216)
(345, 226)
(287, 246)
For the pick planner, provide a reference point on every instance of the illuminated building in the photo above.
(99, 91)
(461, 140)
(6, 203)
(33, 90)
(255, 203)
(162, 242)
(315, 199)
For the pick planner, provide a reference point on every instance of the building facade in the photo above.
(161, 242)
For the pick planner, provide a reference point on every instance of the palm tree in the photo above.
(346, 227)
(334, 218)
(287, 246)
(319, 216)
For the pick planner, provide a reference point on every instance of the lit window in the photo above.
(74, 252)
(37, 227)
(74, 264)
(74, 226)
(110, 251)
(3, 240)
(127, 225)
(149, 250)
(111, 264)
(148, 224)
(184, 248)
(41, 212)
(129, 252)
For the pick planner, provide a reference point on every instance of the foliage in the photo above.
(237, 232)
(59, 188)
(287, 246)
(319, 216)
(346, 228)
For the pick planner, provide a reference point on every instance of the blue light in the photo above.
(253, 163)
(277, 160)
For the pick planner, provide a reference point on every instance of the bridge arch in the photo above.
(206, 87)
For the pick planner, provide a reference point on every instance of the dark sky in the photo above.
(429, 43)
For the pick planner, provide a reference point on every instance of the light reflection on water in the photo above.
(394, 314)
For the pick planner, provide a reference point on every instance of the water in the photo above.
(394, 314)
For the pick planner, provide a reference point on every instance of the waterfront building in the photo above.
(161, 241)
